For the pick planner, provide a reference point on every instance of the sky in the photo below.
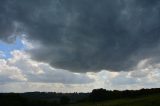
(79, 45)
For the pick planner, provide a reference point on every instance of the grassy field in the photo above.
(151, 100)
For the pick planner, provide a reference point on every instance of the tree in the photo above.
(98, 94)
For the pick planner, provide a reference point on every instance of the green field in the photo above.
(151, 100)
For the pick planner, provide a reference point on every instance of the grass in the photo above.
(150, 100)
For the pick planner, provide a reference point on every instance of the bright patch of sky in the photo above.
(6, 48)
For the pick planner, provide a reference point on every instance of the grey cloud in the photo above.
(60, 76)
(44, 73)
(124, 81)
(86, 35)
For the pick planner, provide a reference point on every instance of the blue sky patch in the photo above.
(6, 48)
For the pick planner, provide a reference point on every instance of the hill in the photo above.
(150, 100)
(98, 97)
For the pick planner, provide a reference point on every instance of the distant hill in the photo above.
(98, 97)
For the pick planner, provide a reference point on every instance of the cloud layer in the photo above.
(85, 35)
(20, 73)
(20, 68)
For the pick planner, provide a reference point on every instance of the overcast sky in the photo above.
(79, 45)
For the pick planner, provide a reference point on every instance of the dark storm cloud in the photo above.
(6, 22)
(86, 35)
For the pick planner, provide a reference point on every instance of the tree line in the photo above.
(61, 99)
(103, 94)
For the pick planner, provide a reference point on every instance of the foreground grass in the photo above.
(150, 100)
